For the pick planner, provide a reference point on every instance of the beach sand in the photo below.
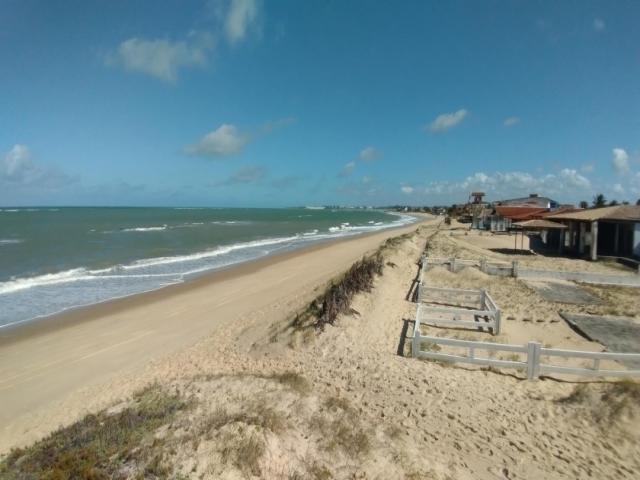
(363, 410)
(42, 364)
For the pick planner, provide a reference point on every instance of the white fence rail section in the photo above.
(513, 269)
(532, 354)
(458, 308)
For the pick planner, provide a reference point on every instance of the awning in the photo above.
(540, 225)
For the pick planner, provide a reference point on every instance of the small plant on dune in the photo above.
(340, 429)
(101, 446)
(608, 405)
(255, 414)
(243, 450)
(319, 472)
(293, 380)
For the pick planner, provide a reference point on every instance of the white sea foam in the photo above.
(145, 229)
(10, 241)
(46, 294)
(216, 252)
(68, 276)
(47, 279)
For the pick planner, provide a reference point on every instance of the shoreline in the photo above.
(14, 332)
(50, 363)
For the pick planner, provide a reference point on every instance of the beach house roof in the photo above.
(540, 225)
(532, 201)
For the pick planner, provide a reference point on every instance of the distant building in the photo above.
(607, 231)
(500, 215)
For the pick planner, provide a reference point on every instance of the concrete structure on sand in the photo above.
(607, 231)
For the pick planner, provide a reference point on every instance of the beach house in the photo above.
(608, 231)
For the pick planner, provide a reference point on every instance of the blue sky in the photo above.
(276, 103)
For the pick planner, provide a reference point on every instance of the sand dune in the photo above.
(355, 408)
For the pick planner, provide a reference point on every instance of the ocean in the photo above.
(54, 259)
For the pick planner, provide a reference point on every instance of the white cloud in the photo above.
(619, 189)
(240, 17)
(511, 121)
(18, 169)
(599, 25)
(447, 121)
(620, 161)
(17, 165)
(572, 178)
(162, 58)
(370, 154)
(513, 184)
(226, 140)
(406, 189)
(347, 169)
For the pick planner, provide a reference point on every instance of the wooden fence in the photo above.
(533, 352)
(513, 269)
(458, 308)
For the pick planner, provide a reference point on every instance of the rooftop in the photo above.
(619, 212)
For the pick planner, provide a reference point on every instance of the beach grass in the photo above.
(101, 446)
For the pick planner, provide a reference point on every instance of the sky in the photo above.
(279, 103)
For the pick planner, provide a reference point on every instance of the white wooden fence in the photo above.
(458, 308)
(532, 353)
(505, 269)
(513, 269)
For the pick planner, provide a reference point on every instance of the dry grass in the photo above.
(103, 445)
(256, 414)
(336, 300)
(243, 450)
(339, 428)
(294, 381)
(608, 404)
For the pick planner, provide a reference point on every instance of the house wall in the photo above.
(636, 240)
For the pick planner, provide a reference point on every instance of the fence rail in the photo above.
(513, 269)
(533, 351)
(458, 308)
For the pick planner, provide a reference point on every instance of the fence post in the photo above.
(533, 360)
(452, 264)
(514, 268)
(415, 342)
(483, 299)
(496, 320)
(483, 265)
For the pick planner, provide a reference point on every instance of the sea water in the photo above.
(54, 259)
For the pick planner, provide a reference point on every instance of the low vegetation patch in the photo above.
(613, 402)
(293, 380)
(101, 446)
(336, 300)
(257, 414)
(340, 429)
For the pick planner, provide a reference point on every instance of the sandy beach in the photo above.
(47, 361)
(343, 403)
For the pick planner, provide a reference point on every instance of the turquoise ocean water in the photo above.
(53, 259)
